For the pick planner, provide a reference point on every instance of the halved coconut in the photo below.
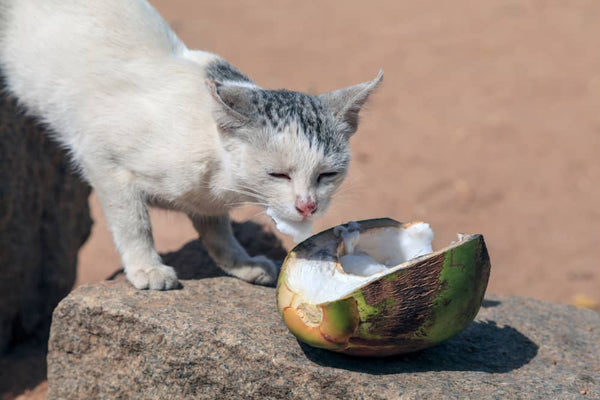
(375, 288)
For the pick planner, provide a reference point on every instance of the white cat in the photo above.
(147, 120)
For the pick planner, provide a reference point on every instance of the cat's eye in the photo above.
(326, 175)
(280, 175)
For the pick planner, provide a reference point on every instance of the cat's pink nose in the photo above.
(306, 207)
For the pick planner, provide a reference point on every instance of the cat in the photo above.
(148, 121)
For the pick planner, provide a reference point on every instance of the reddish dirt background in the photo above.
(488, 121)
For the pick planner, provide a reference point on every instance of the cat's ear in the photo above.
(234, 108)
(346, 103)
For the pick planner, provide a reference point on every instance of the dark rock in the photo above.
(222, 338)
(44, 219)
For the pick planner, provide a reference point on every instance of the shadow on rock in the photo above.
(193, 262)
(483, 346)
(490, 303)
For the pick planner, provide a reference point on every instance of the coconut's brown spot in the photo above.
(413, 290)
(340, 250)
(332, 339)
(409, 224)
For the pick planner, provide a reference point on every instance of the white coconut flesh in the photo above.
(362, 258)
(298, 230)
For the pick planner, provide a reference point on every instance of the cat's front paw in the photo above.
(259, 270)
(155, 277)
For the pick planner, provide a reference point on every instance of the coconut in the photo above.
(376, 287)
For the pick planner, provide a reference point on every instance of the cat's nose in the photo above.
(306, 207)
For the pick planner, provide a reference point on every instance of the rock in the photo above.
(222, 338)
(44, 219)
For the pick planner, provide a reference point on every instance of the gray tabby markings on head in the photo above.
(282, 108)
(326, 120)
(275, 108)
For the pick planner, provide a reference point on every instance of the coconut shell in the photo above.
(430, 300)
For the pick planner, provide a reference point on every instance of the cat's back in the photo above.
(131, 25)
(54, 45)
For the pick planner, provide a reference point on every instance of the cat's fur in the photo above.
(147, 120)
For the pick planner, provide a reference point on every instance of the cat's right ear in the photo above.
(233, 107)
(345, 104)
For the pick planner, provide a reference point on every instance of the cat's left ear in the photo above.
(233, 107)
(345, 104)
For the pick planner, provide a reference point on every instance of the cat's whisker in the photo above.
(337, 198)
(340, 205)
(236, 190)
(246, 203)
(246, 193)
(260, 203)
(344, 197)
(346, 190)
(257, 214)
(244, 189)
(250, 190)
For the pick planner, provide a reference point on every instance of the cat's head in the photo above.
(289, 149)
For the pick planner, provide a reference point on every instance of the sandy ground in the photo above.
(487, 122)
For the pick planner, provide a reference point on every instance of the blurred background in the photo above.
(488, 121)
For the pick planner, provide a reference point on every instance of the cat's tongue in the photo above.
(298, 230)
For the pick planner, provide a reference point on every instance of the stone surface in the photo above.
(44, 219)
(222, 338)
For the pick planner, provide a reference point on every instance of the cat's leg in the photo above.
(229, 255)
(127, 215)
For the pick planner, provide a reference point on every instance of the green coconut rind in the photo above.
(341, 317)
(457, 297)
(440, 310)
(367, 312)
(433, 299)
(463, 281)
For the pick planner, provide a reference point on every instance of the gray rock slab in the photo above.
(221, 338)
(44, 219)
